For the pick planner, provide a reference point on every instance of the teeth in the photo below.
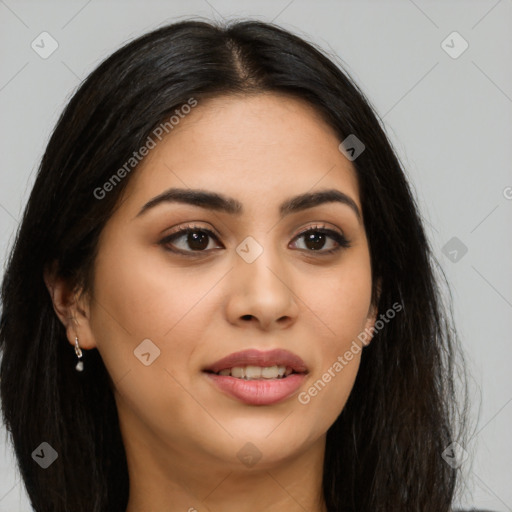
(252, 372)
(237, 372)
(270, 372)
(257, 372)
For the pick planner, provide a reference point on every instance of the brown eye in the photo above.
(191, 239)
(197, 240)
(316, 238)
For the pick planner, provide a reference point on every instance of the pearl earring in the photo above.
(78, 351)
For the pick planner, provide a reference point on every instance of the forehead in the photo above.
(254, 148)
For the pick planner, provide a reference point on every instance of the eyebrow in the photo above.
(222, 203)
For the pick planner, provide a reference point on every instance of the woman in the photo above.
(221, 295)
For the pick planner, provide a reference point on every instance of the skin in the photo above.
(181, 434)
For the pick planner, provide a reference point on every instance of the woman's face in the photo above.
(167, 308)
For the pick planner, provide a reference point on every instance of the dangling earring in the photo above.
(78, 351)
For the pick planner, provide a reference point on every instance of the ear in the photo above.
(71, 306)
(372, 312)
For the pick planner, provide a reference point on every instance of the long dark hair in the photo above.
(384, 451)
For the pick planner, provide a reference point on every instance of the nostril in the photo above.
(247, 317)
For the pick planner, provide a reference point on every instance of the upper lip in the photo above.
(253, 357)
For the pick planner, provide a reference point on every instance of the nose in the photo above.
(261, 293)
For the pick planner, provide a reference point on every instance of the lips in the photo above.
(288, 369)
(276, 357)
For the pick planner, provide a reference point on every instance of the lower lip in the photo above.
(258, 392)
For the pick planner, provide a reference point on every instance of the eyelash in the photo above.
(340, 239)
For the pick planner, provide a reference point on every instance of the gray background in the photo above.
(449, 119)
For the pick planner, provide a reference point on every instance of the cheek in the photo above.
(140, 294)
(341, 307)
(341, 300)
(136, 301)
(147, 325)
(327, 392)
